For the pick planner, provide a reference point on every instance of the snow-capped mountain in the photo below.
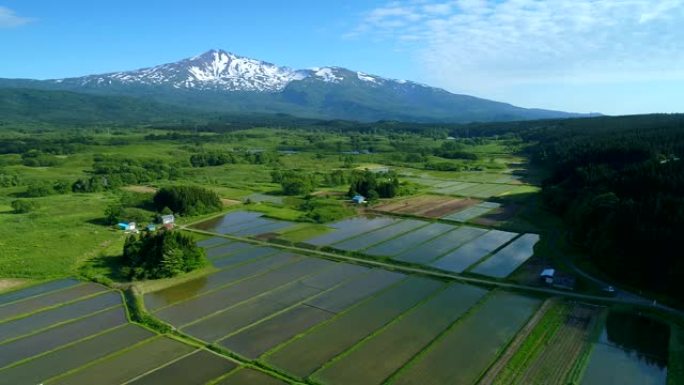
(224, 82)
(222, 71)
(212, 70)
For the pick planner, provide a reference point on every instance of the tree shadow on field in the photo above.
(105, 265)
(99, 222)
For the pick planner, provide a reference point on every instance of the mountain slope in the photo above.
(224, 82)
(40, 106)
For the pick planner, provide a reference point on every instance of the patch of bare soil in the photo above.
(452, 206)
(10, 283)
(140, 189)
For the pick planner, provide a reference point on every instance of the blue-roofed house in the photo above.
(359, 199)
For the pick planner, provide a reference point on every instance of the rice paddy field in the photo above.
(335, 322)
(479, 186)
(267, 315)
(445, 246)
(448, 208)
(631, 349)
(452, 248)
(70, 333)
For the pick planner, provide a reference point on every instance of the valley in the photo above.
(438, 284)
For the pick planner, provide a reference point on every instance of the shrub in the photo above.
(325, 210)
(38, 189)
(22, 206)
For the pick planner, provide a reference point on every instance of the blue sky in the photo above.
(610, 56)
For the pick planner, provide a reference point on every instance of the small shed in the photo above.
(547, 275)
(359, 199)
(151, 227)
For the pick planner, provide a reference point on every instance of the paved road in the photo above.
(624, 298)
(624, 295)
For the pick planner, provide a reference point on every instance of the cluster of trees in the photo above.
(294, 182)
(444, 166)
(374, 185)
(370, 184)
(205, 159)
(297, 182)
(454, 150)
(321, 210)
(43, 188)
(35, 158)
(112, 172)
(131, 207)
(68, 144)
(9, 179)
(187, 200)
(160, 255)
(619, 184)
(336, 178)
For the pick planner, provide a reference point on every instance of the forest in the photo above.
(619, 185)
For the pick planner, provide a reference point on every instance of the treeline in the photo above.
(619, 184)
(54, 146)
(232, 123)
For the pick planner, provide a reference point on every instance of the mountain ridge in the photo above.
(225, 82)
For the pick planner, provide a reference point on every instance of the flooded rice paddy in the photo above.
(67, 332)
(340, 323)
(631, 350)
(308, 318)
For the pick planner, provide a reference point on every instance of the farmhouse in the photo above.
(168, 221)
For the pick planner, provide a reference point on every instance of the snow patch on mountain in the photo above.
(327, 74)
(366, 77)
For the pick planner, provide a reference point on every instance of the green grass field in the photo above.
(51, 241)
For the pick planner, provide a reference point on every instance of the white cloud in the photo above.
(480, 45)
(9, 19)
